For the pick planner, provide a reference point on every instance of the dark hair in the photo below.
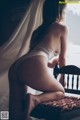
(61, 7)
(51, 11)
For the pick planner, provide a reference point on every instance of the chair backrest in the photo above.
(71, 74)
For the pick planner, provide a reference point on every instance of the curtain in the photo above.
(18, 45)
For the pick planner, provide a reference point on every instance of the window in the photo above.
(73, 23)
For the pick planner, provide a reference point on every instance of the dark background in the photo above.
(11, 12)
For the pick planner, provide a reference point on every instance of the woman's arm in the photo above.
(61, 60)
(53, 62)
(62, 56)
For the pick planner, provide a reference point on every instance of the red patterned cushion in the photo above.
(65, 104)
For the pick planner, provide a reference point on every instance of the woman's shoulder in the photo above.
(59, 27)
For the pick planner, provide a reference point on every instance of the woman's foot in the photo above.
(30, 103)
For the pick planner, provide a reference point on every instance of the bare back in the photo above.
(53, 38)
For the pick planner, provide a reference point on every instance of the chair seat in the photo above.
(63, 109)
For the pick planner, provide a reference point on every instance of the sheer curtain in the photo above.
(18, 45)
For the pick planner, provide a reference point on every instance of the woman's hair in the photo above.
(52, 11)
(61, 8)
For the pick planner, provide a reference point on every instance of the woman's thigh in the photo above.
(35, 73)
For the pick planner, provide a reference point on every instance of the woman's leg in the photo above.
(40, 79)
(17, 94)
(33, 100)
(48, 94)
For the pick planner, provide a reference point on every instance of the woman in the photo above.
(32, 69)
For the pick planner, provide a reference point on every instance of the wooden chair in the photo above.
(67, 108)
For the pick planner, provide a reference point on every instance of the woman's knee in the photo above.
(62, 90)
(59, 94)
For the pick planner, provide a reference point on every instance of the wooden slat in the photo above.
(68, 81)
(77, 84)
(72, 81)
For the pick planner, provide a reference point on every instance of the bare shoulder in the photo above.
(64, 28)
(59, 28)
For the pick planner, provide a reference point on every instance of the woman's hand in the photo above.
(53, 63)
